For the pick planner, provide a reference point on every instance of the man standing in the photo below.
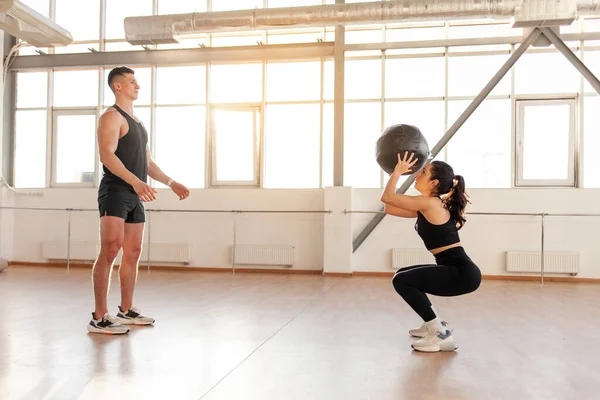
(126, 162)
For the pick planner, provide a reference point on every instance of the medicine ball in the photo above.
(398, 139)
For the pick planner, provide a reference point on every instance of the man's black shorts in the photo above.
(117, 201)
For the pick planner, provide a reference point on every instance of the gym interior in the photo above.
(273, 278)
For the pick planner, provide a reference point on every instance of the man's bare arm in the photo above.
(154, 171)
(158, 175)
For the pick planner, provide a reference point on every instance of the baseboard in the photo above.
(281, 271)
(495, 277)
(379, 274)
(538, 279)
(50, 264)
(338, 274)
(143, 266)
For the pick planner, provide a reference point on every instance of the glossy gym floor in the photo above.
(272, 336)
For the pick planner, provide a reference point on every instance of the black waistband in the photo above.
(452, 254)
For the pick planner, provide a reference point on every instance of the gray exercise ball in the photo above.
(3, 264)
(397, 139)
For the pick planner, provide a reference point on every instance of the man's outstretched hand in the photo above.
(180, 190)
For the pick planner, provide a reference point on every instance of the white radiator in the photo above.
(264, 255)
(554, 262)
(82, 251)
(171, 253)
(407, 257)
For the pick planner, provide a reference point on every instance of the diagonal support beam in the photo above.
(533, 36)
(577, 63)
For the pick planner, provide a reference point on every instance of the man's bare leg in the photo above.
(132, 248)
(111, 241)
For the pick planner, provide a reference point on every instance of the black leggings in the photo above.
(455, 274)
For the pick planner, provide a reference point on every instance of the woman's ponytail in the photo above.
(456, 201)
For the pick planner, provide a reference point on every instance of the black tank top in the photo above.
(131, 150)
(435, 236)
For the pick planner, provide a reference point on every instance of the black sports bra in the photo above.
(435, 236)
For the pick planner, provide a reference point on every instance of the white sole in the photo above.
(91, 329)
(423, 335)
(124, 321)
(443, 346)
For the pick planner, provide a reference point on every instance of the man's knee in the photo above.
(132, 254)
(110, 249)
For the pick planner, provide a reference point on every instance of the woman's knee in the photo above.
(398, 281)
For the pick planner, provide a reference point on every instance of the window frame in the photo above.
(54, 143)
(258, 113)
(572, 175)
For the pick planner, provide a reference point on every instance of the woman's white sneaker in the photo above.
(133, 316)
(107, 325)
(422, 331)
(436, 341)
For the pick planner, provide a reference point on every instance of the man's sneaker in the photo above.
(422, 331)
(107, 325)
(133, 316)
(436, 341)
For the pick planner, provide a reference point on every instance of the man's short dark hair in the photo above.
(118, 71)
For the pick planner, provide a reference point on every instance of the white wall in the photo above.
(209, 234)
(6, 225)
(486, 238)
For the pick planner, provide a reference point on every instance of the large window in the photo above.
(69, 15)
(41, 6)
(537, 73)
(270, 123)
(236, 83)
(181, 6)
(481, 149)
(294, 81)
(31, 130)
(292, 3)
(292, 143)
(362, 128)
(180, 85)
(179, 147)
(546, 142)
(235, 134)
(414, 77)
(468, 75)
(32, 90)
(362, 79)
(118, 10)
(592, 61)
(591, 142)
(76, 88)
(74, 147)
(327, 146)
(30, 149)
(224, 5)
